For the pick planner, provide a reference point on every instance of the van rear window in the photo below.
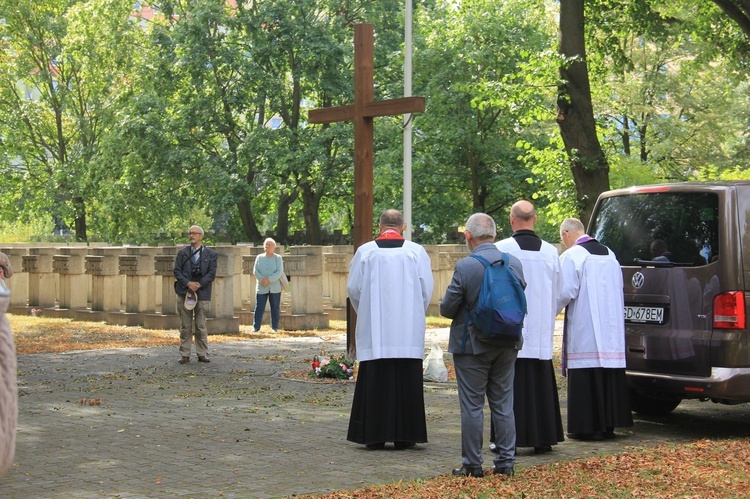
(677, 227)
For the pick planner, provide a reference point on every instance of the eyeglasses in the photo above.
(193, 233)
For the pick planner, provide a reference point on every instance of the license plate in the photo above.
(644, 315)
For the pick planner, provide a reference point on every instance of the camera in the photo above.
(197, 274)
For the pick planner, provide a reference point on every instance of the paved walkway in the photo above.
(236, 428)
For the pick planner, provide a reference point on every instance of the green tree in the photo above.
(209, 87)
(300, 46)
(63, 64)
(481, 67)
(229, 88)
(668, 102)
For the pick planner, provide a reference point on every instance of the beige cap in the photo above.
(191, 300)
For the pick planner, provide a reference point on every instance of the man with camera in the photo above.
(194, 271)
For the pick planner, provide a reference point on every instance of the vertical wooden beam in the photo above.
(364, 94)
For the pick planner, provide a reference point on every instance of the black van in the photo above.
(684, 249)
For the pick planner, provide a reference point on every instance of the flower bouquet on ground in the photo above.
(336, 367)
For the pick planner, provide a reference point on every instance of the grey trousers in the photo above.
(188, 330)
(489, 373)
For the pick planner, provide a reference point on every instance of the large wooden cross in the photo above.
(362, 112)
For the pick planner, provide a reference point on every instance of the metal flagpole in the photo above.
(407, 119)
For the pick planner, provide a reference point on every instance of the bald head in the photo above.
(391, 219)
(522, 216)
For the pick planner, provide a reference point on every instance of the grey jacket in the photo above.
(464, 288)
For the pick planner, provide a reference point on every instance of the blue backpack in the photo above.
(501, 306)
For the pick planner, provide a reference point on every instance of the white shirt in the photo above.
(595, 324)
(390, 289)
(541, 269)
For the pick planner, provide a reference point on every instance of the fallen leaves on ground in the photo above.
(703, 469)
(49, 335)
(304, 375)
(85, 401)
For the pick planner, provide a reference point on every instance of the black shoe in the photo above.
(586, 437)
(203, 359)
(543, 450)
(376, 446)
(507, 471)
(473, 471)
(403, 445)
(184, 360)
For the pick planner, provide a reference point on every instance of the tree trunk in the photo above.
(282, 227)
(310, 210)
(575, 112)
(79, 210)
(248, 222)
(740, 15)
(477, 201)
(642, 131)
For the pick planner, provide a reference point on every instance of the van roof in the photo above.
(682, 186)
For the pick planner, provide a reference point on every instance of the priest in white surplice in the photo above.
(594, 336)
(536, 404)
(390, 286)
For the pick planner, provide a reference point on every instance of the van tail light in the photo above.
(729, 310)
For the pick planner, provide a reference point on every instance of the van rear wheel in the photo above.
(647, 405)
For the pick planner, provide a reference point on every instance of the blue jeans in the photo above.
(260, 308)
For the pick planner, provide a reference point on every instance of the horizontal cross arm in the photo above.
(390, 107)
(393, 107)
(331, 114)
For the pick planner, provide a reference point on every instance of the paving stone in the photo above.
(237, 428)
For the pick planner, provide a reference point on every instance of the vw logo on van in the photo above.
(638, 280)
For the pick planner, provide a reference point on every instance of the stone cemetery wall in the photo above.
(133, 285)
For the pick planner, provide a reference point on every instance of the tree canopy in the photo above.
(126, 122)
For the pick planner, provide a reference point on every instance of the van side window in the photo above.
(680, 227)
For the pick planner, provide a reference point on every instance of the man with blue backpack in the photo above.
(485, 299)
